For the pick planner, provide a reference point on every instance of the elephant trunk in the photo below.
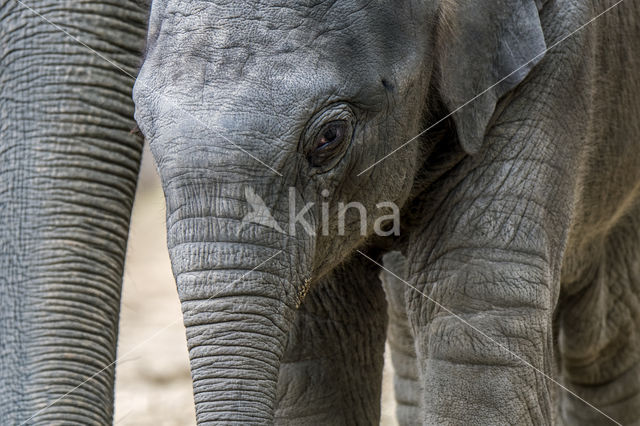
(68, 170)
(236, 335)
(238, 298)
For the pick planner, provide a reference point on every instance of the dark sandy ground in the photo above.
(153, 385)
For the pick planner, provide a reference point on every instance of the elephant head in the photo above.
(250, 104)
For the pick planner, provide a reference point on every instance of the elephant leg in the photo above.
(403, 353)
(600, 333)
(332, 368)
(484, 355)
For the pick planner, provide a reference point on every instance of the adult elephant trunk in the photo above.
(68, 169)
(238, 297)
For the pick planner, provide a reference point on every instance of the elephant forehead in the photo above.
(261, 29)
(308, 47)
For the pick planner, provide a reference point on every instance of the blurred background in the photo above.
(153, 383)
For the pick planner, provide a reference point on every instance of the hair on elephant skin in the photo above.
(458, 178)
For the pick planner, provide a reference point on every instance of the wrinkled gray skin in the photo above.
(68, 170)
(520, 214)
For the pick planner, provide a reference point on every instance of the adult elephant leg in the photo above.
(400, 337)
(68, 170)
(600, 331)
(332, 368)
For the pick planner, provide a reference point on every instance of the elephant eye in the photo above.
(329, 142)
(331, 133)
(329, 136)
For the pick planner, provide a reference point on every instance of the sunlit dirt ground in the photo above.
(153, 385)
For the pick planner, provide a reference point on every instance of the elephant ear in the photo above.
(487, 47)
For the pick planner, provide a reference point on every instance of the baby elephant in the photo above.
(506, 134)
